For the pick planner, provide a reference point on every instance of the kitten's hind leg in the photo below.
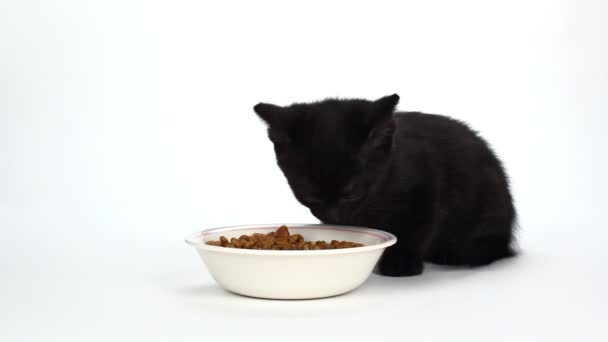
(493, 236)
(487, 249)
(445, 256)
(478, 252)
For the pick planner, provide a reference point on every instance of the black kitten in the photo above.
(428, 179)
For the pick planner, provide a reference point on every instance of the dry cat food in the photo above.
(279, 240)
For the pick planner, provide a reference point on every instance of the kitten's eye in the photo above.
(347, 196)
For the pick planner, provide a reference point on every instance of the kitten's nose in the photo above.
(327, 214)
(317, 212)
(332, 215)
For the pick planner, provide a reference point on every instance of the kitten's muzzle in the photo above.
(327, 214)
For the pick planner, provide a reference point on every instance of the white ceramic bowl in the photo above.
(296, 274)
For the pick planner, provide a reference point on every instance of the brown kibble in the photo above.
(283, 232)
(223, 241)
(295, 238)
(279, 240)
(300, 244)
(234, 242)
(323, 245)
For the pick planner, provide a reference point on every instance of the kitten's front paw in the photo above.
(401, 266)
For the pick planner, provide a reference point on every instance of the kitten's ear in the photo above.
(386, 104)
(269, 112)
(382, 109)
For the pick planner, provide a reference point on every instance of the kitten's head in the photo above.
(317, 145)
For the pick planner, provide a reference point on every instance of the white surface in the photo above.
(124, 125)
(292, 274)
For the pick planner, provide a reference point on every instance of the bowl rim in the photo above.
(195, 239)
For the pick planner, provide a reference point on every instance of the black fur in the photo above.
(428, 179)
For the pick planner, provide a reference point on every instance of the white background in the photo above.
(125, 125)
